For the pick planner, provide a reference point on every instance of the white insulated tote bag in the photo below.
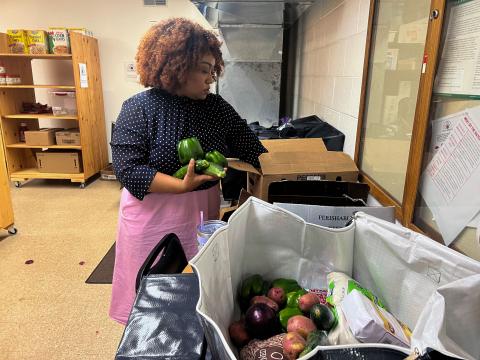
(431, 288)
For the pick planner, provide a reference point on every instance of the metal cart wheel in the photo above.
(12, 230)
(18, 184)
(82, 186)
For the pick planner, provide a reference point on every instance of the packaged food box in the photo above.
(83, 31)
(17, 41)
(68, 137)
(37, 41)
(58, 40)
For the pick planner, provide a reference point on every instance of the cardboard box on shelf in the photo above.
(294, 160)
(68, 137)
(42, 137)
(59, 162)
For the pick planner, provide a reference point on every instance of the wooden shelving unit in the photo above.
(90, 118)
(33, 173)
(41, 116)
(60, 87)
(39, 56)
(24, 146)
(6, 209)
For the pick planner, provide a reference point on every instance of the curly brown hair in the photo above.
(172, 48)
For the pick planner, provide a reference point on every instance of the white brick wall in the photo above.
(332, 52)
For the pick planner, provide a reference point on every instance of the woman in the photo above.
(179, 60)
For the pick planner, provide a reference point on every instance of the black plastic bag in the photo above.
(163, 323)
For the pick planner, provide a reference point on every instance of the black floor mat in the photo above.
(103, 273)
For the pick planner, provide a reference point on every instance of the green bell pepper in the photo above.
(200, 165)
(180, 173)
(215, 170)
(251, 286)
(189, 149)
(216, 157)
(293, 296)
(288, 285)
(314, 339)
(287, 313)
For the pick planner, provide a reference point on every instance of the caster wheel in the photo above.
(18, 184)
(82, 186)
(12, 230)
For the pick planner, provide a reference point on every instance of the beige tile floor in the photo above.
(47, 310)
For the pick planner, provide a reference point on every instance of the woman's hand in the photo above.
(191, 180)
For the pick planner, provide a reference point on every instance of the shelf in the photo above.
(41, 116)
(25, 146)
(90, 119)
(458, 96)
(38, 56)
(67, 87)
(33, 173)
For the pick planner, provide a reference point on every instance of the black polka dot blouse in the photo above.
(151, 124)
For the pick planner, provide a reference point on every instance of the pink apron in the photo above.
(142, 224)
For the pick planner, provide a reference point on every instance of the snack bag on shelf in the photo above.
(37, 41)
(17, 41)
(58, 40)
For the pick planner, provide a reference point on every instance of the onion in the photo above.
(261, 321)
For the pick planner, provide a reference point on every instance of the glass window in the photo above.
(456, 96)
(398, 41)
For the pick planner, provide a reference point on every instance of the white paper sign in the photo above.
(83, 75)
(441, 129)
(459, 68)
(130, 69)
(451, 181)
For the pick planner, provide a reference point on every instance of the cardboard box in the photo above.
(337, 216)
(323, 192)
(59, 162)
(294, 160)
(68, 137)
(42, 137)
